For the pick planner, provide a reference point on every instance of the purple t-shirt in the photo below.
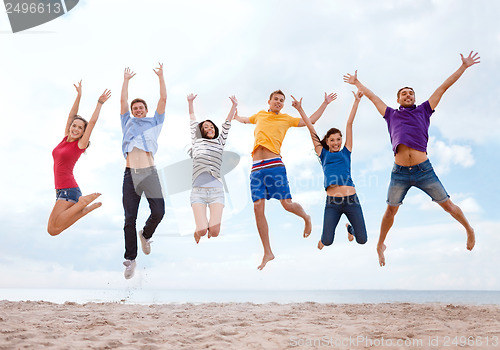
(409, 126)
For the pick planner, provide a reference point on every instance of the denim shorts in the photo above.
(268, 180)
(421, 176)
(207, 195)
(68, 194)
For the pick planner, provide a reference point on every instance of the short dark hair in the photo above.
(406, 87)
(328, 133)
(277, 92)
(136, 100)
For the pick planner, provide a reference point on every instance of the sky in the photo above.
(248, 49)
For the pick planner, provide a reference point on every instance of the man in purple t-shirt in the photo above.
(408, 127)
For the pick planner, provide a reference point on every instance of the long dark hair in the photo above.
(216, 129)
(328, 133)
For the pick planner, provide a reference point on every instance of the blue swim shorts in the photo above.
(421, 176)
(268, 180)
(68, 194)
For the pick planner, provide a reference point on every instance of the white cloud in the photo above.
(445, 156)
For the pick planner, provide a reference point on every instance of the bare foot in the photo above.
(265, 260)
(320, 245)
(350, 237)
(86, 200)
(380, 252)
(197, 237)
(471, 239)
(308, 226)
(89, 208)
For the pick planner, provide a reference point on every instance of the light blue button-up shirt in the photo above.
(141, 132)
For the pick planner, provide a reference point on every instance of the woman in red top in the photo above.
(70, 204)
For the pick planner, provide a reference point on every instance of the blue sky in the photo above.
(250, 48)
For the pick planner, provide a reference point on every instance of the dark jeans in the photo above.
(334, 208)
(135, 183)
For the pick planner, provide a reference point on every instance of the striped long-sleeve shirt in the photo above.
(207, 153)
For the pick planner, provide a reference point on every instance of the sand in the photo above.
(45, 325)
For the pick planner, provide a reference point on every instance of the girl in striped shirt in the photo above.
(206, 152)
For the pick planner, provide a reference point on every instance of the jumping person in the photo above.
(341, 197)
(408, 127)
(206, 151)
(140, 143)
(268, 178)
(70, 204)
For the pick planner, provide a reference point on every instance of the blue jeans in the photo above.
(334, 208)
(135, 183)
(421, 176)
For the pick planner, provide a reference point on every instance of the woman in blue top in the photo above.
(341, 195)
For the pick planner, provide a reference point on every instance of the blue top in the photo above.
(141, 132)
(409, 126)
(336, 167)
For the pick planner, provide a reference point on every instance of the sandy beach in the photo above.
(38, 324)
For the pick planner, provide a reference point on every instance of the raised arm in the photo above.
(466, 63)
(190, 99)
(244, 120)
(350, 120)
(353, 80)
(74, 108)
(232, 112)
(297, 104)
(163, 90)
(316, 115)
(84, 140)
(127, 75)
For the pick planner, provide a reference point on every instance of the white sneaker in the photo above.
(129, 268)
(145, 243)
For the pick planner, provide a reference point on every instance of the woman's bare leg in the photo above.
(215, 219)
(200, 218)
(64, 214)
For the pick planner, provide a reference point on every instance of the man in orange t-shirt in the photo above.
(268, 178)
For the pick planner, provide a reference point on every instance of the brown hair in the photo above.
(406, 87)
(328, 133)
(277, 92)
(85, 123)
(136, 100)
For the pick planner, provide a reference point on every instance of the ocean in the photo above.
(151, 296)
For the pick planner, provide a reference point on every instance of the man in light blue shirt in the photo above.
(140, 143)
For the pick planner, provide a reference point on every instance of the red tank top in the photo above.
(65, 156)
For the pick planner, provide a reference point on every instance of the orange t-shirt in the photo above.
(271, 128)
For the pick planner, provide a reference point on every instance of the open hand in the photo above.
(105, 96)
(470, 60)
(128, 74)
(351, 79)
(330, 97)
